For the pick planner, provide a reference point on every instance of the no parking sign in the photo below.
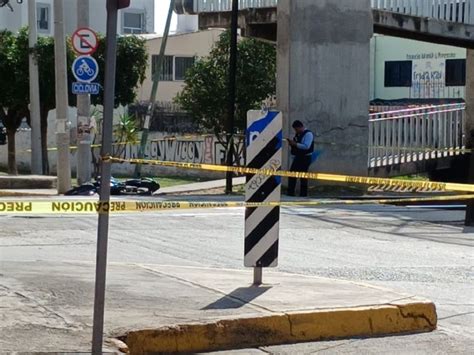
(84, 41)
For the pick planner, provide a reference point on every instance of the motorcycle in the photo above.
(143, 186)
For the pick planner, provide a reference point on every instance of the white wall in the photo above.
(98, 14)
(427, 57)
(23, 142)
(13, 20)
(372, 66)
(19, 18)
(190, 149)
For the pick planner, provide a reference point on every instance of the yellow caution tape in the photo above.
(165, 139)
(53, 149)
(362, 180)
(89, 207)
(421, 150)
(190, 137)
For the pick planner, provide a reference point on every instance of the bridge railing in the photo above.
(411, 135)
(449, 10)
(202, 6)
(461, 11)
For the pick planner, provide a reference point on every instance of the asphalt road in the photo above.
(421, 251)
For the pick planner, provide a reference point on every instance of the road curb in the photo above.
(286, 328)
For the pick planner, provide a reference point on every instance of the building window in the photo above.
(182, 64)
(43, 17)
(166, 68)
(133, 23)
(455, 72)
(398, 73)
(173, 68)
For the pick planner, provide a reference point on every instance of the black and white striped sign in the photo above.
(262, 224)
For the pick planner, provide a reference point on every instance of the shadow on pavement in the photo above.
(238, 298)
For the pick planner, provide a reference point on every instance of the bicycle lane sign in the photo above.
(85, 69)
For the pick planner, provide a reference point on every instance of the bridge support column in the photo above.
(323, 77)
(469, 126)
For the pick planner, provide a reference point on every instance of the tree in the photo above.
(44, 55)
(131, 67)
(132, 61)
(14, 90)
(205, 94)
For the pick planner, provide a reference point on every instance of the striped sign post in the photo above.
(264, 151)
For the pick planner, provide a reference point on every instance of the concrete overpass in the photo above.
(449, 22)
(323, 67)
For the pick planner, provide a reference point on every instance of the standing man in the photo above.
(302, 148)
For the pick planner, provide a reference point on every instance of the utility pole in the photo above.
(154, 90)
(35, 120)
(106, 151)
(232, 93)
(84, 136)
(62, 126)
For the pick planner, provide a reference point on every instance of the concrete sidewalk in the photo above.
(27, 182)
(27, 185)
(47, 307)
(28, 192)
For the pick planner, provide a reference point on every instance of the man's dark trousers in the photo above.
(301, 164)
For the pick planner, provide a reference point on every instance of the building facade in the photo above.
(137, 19)
(182, 50)
(400, 68)
(407, 69)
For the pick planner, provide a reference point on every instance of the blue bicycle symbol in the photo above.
(85, 69)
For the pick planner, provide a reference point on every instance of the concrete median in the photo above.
(156, 308)
(293, 308)
(286, 328)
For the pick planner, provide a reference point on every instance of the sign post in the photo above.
(106, 150)
(106, 169)
(85, 43)
(264, 140)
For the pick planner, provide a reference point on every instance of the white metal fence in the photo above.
(410, 135)
(449, 10)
